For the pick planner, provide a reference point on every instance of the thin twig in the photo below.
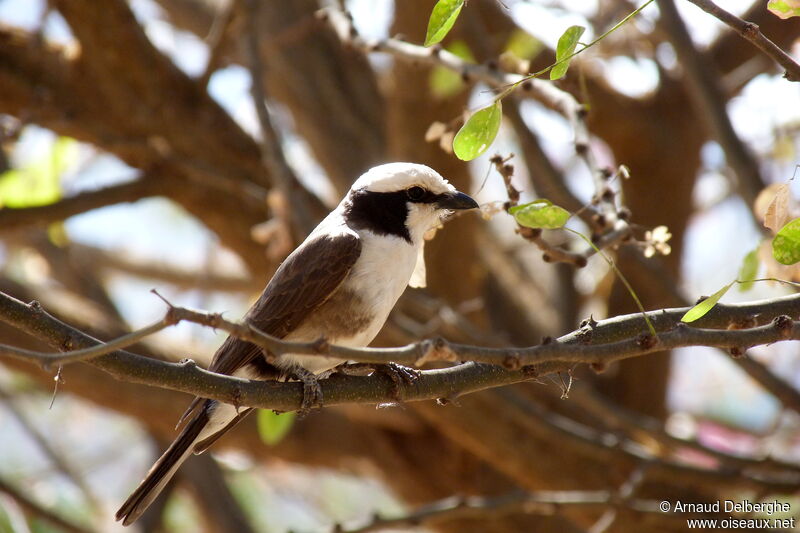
(551, 253)
(302, 221)
(542, 502)
(618, 418)
(622, 497)
(13, 218)
(544, 91)
(118, 261)
(709, 101)
(752, 33)
(216, 40)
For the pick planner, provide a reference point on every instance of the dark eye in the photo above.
(415, 193)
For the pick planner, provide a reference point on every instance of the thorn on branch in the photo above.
(58, 380)
(167, 302)
(566, 386)
(321, 345)
(529, 233)
(750, 30)
(511, 362)
(67, 344)
(646, 341)
(585, 336)
(736, 352)
(744, 323)
(599, 220)
(599, 367)
(784, 325)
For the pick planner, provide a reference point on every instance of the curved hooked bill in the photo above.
(456, 200)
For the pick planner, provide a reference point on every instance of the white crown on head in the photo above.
(393, 177)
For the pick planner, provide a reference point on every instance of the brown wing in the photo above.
(302, 283)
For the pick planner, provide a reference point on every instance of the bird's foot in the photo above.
(355, 369)
(312, 391)
(400, 375)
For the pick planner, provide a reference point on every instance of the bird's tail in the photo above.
(163, 470)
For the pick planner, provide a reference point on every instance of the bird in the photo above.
(339, 284)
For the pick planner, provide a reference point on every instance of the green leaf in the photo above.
(272, 427)
(748, 271)
(523, 45)
(57, 234)
(565, 49)
(445, 82)
(700, 310)
(443, 16)
(540, 214)
(38, 183)
(786, 244)
(478, 133)
(784, 8)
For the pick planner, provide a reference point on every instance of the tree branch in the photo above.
(611, 236)
(752, 33)
(480, 507)
(597, 343)
(709, 100)
(302, 221)
(11, 218)
(115, 260)
(544, 91)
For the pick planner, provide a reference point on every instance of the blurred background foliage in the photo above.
(131, 160)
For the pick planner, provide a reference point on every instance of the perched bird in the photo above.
(340, 284)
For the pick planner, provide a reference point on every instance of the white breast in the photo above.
(379, 277)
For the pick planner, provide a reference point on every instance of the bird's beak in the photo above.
(456, 200)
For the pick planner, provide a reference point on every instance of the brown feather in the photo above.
(305, 281)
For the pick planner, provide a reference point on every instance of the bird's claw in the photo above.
(312, 391)
(400, 376)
